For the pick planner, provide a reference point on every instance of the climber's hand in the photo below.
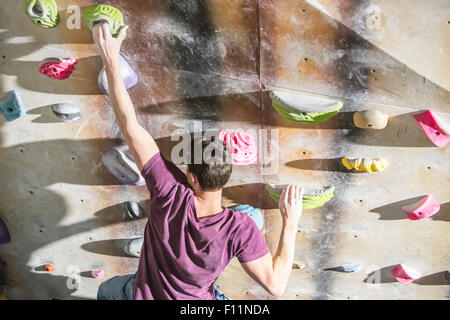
(291, 205)
(107, 46)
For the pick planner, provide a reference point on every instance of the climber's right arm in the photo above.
(141, 143)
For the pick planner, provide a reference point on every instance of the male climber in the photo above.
(190, 237)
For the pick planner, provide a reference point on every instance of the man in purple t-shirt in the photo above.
(190, 237)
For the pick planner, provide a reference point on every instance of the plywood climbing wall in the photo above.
(215, 61)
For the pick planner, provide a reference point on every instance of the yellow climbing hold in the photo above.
(364, 164)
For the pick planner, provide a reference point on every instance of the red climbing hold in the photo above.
(404, 274)
(56, 68)
(98, 274)
(424, 208)
(434, 127)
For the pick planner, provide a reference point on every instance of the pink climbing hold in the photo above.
(434, 127)
(404, 274)
(424, 208)
(98, 274)
(241, 145)
(56, 68)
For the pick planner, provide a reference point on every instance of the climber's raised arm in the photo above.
(140, 142)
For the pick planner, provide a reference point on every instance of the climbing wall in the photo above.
(210, 65)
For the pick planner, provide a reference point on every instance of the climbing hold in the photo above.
(241, 145)
(129, 77)
(66, 112)
(364, 164)
(298, 265)
(48, 268)
(311, 199)
(5, 237)
(98, 274)
(254, 213)
(424, 208)
(370, 119)
(133, 210)
(104, 13)
(134, 247)
(434, 127)
(405, 274)
(44, 13)
(2, 265)
(121, 165)
(57, 68)
(346, 268)
(11, 106)
(304, 108)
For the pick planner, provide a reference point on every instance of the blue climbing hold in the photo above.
(4, 233)
(252, 212)
(11, 106)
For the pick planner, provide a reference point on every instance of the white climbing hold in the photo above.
(134, 247)
(118, 161)
(370, 119)
(66, 112)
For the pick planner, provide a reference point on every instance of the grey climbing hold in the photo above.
(346, 268)
(133, 210)
(118, 161)
(43, 13)
(134, 247)
(11, 106)
(5, 237)
(66, 112)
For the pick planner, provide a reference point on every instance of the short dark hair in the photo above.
(213, 174)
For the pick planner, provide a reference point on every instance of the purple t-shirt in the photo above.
(182, 255)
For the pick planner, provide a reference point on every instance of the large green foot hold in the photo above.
(104, 13)
(304, 108)
(44, 13)
(311, 199)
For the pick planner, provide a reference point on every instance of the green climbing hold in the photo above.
(44, 13)
(311, 199)
(104, 13)
(304, 108)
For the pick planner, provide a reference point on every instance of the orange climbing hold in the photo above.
(48, 268)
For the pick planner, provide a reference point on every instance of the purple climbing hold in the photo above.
(129, 77)
(5, 237)
(11, 106)
(121, 165)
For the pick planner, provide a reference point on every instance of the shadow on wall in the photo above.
(33, 209)
(83, 80)
(393, 210)
(382, 275)
(334, 164)
(254, 194)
